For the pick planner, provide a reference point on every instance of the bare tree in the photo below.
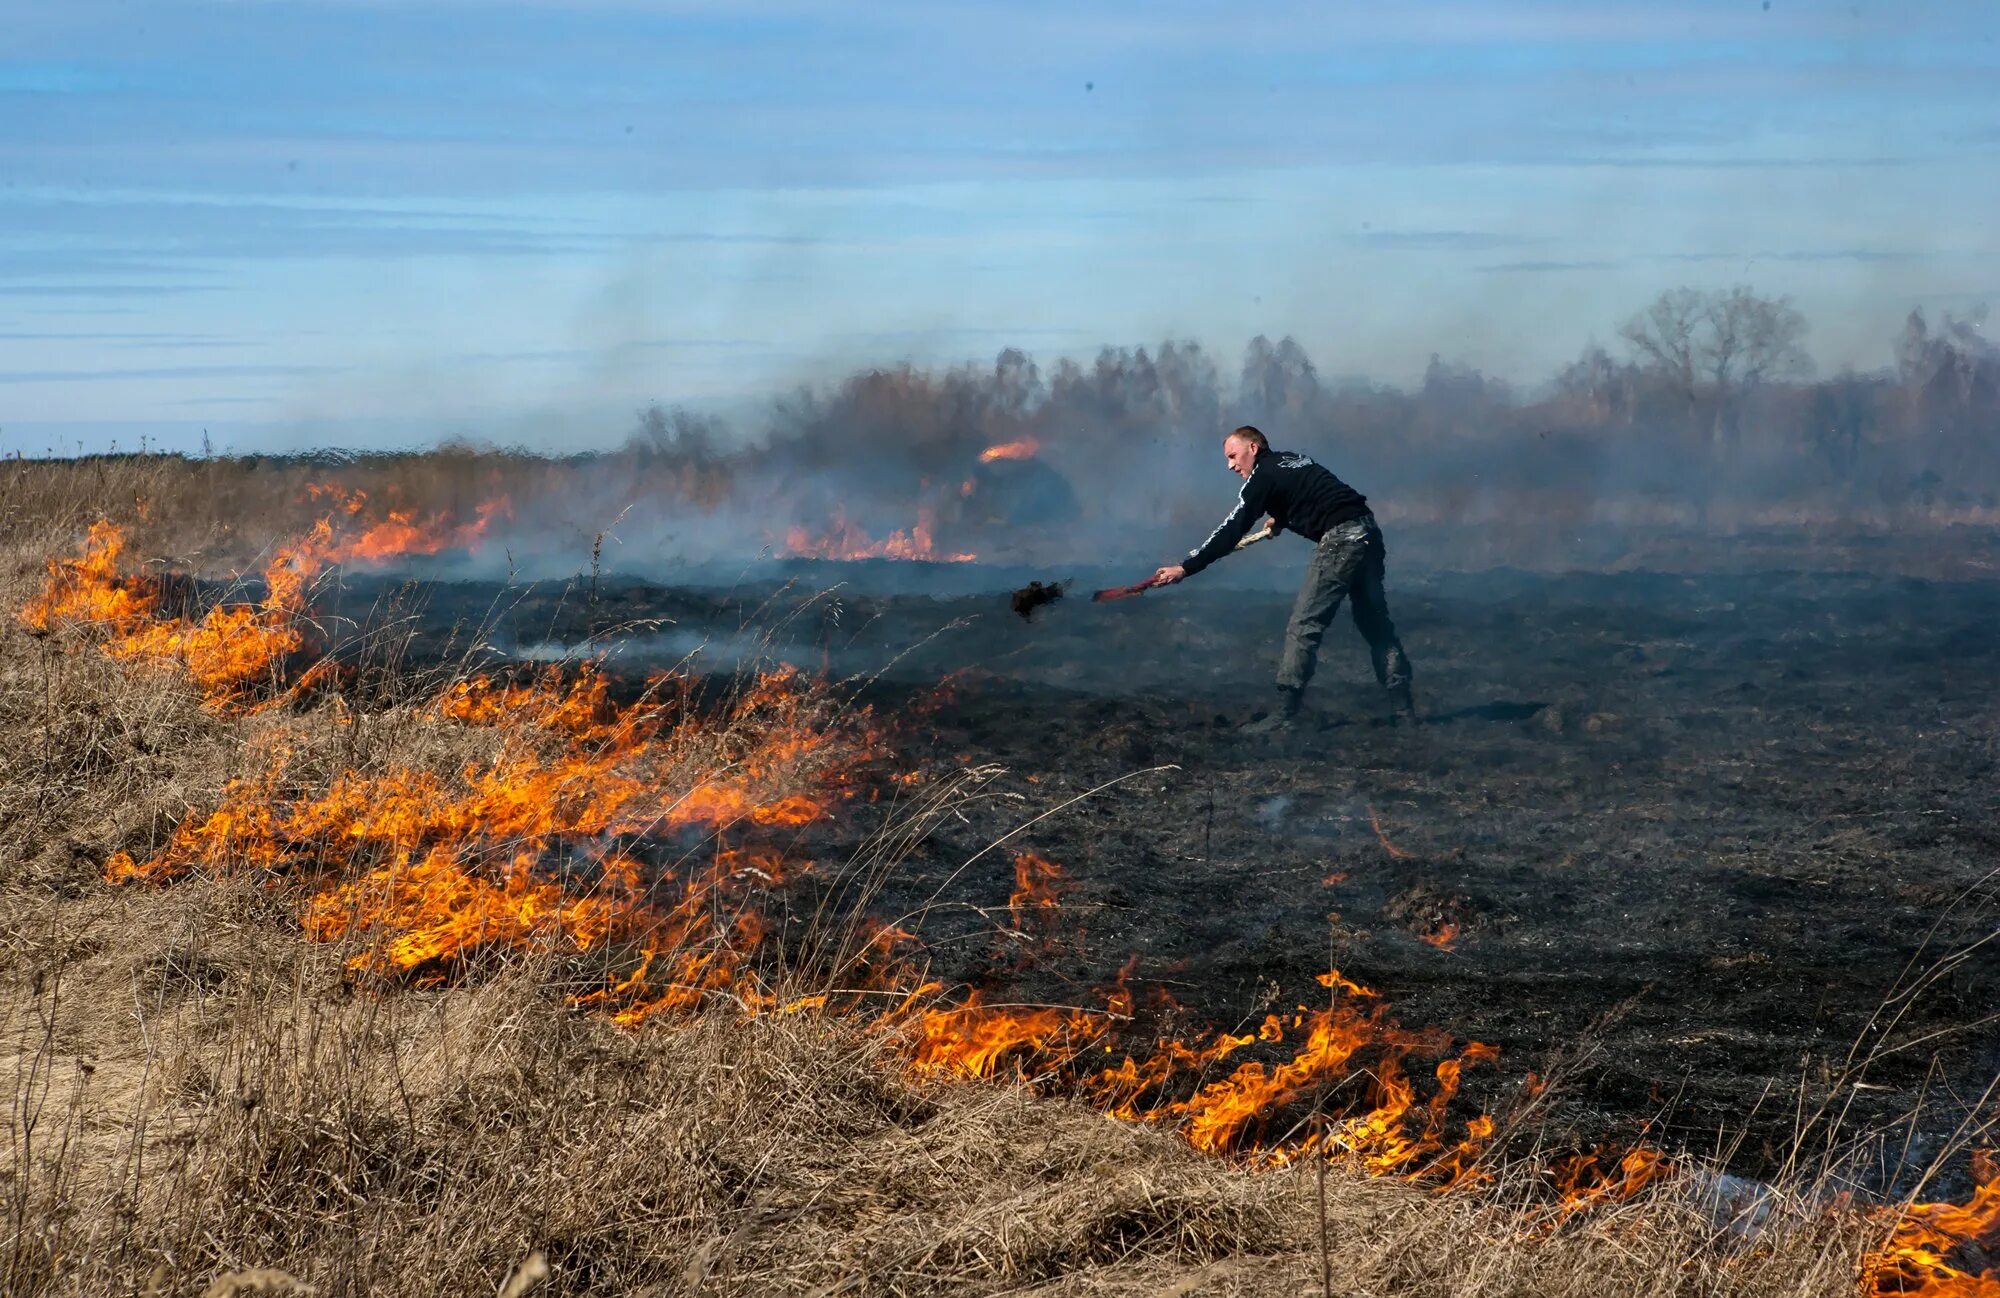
(1664, 338)
(1753, 339)
(1279, 382)
(1596, 389)
(1714, 348)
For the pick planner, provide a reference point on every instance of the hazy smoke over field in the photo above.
(1705, 412)
(1703, 415)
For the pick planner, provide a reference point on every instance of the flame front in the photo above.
(225, 652)
(655, 835)
(1943, 1250)
(87, 590)
(402, 533)
(233, 649)
(842, 538)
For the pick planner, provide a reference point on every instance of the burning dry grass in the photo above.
(411, 1103)
(195, 1090)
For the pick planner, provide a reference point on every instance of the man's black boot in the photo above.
(1280, 719)
(1402, 708)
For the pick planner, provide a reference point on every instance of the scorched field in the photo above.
(831, 927)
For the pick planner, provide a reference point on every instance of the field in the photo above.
(805, 943)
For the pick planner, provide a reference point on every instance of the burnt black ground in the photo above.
(1711, 823)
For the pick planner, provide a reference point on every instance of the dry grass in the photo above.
(195, 1088)
(199, 1101)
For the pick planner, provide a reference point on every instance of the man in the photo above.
(1347, 563)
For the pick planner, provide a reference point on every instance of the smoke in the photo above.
(1115, 461)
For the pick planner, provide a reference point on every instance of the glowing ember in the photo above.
(843, 539)
(1943, 1250)
(1444, 936)
(1024, 449)
(1382, 838)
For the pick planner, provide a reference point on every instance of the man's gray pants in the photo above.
(1346, 564)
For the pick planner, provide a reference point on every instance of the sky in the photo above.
(296, 224)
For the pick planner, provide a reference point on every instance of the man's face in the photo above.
(1242, 455)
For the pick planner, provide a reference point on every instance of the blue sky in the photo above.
(354, 223)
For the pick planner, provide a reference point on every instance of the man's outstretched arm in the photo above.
(1226, 537)
(1174, 572)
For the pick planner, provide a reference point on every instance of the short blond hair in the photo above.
(1252, 436)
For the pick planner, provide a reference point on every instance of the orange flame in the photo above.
(843, 539)
(224, 653)
(401, 534)
(87, 590)
(574, 822)
(1039, 885)
(1943, 1250)
(1024, 449)
(1583, 1182)
(978, 1040)
(1444, 936)
(231, 649)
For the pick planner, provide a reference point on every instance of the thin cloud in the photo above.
(1444, 240)
(166, 372)
(1806, 255)
(1545, 267)
(105, 290)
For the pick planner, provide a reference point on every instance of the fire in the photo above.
(87, 590)
(1375, 824)
(1039, 885)
(1943, 1250)
(426, 869)
(977, 1040)
(448, 911)
(844, 539)
(400, 533)
(573, 817)
(564, 765)
(1583, 1182)
(1444, 936)
(225, 652)
(234, 648)
(1352, 1045)
(1024, 449)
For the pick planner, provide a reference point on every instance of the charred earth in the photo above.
(1702, 845)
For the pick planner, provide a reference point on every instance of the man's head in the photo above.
(1241, 448)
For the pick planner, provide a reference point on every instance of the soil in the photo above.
(1697, 834)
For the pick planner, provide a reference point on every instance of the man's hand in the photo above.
(1167, 576)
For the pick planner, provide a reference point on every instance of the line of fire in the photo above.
(1042, 853)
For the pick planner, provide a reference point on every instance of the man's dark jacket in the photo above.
(1299, 495)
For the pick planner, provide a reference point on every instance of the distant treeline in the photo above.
(1705, 395)
(1704, 410)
